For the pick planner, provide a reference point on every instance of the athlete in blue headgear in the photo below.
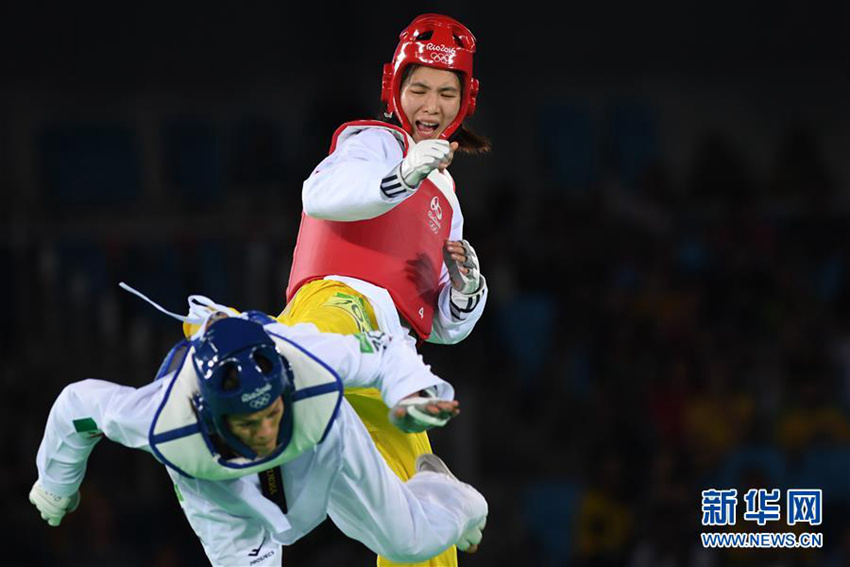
(243, 382)
(249, 419)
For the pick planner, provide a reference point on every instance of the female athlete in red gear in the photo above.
(381, 244)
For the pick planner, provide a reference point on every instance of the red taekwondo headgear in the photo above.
(434, 41)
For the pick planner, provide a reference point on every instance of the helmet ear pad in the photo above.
(387, 84)
(473, 97)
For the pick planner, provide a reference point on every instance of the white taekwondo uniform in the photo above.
(330, 468)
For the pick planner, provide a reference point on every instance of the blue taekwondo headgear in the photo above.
(239, 372)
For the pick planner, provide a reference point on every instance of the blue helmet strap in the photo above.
(284, 435)
(215, 443)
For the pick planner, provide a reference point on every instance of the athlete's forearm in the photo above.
(349, 191)
(84, 413)
(69, 437)
(354, 182)
(368, 360)
(402, 372)
(457, 314)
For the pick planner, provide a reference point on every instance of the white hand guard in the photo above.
(471, 282)
(416, 418)
(472, 537)
(52, 506)
(422, 158)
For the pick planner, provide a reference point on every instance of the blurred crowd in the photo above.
(664, 338)
(648, 335)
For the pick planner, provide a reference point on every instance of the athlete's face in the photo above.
(430, 98)
(258, 430)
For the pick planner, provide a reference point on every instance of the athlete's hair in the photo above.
(468, 142)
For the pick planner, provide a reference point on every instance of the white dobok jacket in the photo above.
(331, 467)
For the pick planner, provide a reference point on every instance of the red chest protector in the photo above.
(400, 251)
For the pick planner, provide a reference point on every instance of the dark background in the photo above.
(663, 223)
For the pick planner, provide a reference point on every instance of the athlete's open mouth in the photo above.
(426, 129)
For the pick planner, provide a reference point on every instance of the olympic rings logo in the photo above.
(442, 58)
(261, 401)
(435, 206)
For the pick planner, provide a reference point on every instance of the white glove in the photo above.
(416, 417)
(52, 506)
(472, 537)
(422, 158)
(471, 282)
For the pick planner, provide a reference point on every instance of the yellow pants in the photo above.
(336, 308)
